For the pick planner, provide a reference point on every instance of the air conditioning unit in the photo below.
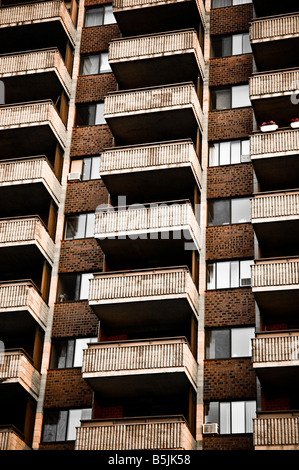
(245, 158)
(246, 282)
(74, 176)
(210, 428)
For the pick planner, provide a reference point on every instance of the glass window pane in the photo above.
(218, 344)
(241, 341)
(221, 3)
(240, 2)
(211, 284)
(70, 353)
(214, 155)
(219, 212)
(224, 418)
(86, 413)
(90, 65)
(61, 426)
(226, 46)
(212, 412)
(95, 168)
(104, 66)
(73, 422)
(81, 343)
(84, 288)
(240, 96)
(109, 18)
(224, 154)
(93, 17)
(245, 148)
(90, 221)
(238, 417)
(237, 44)
(246, 44)
(234, 280)
(99, 117)
(223, 99)
(235, 152)
(241, 210)
(245, 273)
(250, 414)
(50, 426)
(223, 275)
(86, 169)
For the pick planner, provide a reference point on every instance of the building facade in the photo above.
(149, 271)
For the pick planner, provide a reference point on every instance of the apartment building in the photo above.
(148, 228)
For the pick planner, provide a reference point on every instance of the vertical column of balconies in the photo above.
(35, 91)
(149, 234)
(275, 217)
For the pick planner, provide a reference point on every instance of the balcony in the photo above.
(157, 59)
(130, 369)
(136, 17)
(23, 24)
(17, 370)
(34, 75)
(273, 94)
(276, 431)
(154, 114)
(275, 218)
(10, 439)
(263, 9)
(141, 169)
(21, 308)
(148, 300)
(275, 285)
(276, 359)
(274, 41)
(30, 128)
(29, 183)
(165, 433)
(275, 158)
(147, 231)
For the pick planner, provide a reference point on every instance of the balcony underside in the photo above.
(17, 325)
(152, 184)
(278, 238)
(154, 126)
(148, 245)
(27, 141)
(158, 18)
(263, 8)
(176, 68)
(280, 172)
(277, 304)
(279, 109)
(21, 261)
(140, 315)
(32, 87)
(280, 377)
(40, 35)
(24, 199)
(276, 54)
(131, 386)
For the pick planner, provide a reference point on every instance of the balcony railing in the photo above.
(277, 431)
(29, 114)
(146, 356)
(284, 82)
(26, 231)
(157, 45)
(15, 366)
(35, 62)
(152, 100)
(272, 144)
(30, 170)
(17, 15)
(276, 27)
(146, 284)
(164, 217)
(11, 440)
(275, 206)
(274, 347)
(23, 295)
(167, 433)
(277, 273)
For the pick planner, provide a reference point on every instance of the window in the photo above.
(229, 211)
(79, 226)
(235, 44)
(228, 3)
(87, 168)
(229, 152)
(95, 64)
(235, 417)
(60, 425)
(90, 114)
(69, 353)
(74, 287)
(231, 97)
(225, 343)
(229, 274)
(99, 16)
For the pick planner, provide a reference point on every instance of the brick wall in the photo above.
(97, 38)
(230, 70)
(229, 124)
(231, 442)
(74, 319)
(80, 255)
(67, 389)
(230, 181)
(90, 140)
(229, 307)
(231, 19)
(85, 196)
(95, 87)
(230, 241)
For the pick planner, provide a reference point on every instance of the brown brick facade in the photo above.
(236, 123)
(230, 241)
(67, 389)
(81, 255)
(231, 442)
(97, 38)
(230, 181)
(74, 319)
(95, 87)
(230, 70)
(231, 19)
(90, 140)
